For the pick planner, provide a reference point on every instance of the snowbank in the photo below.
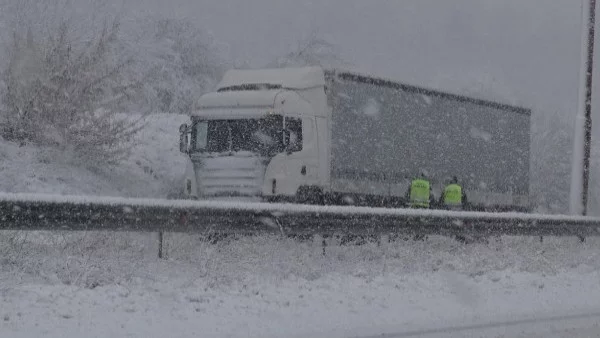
(153, 170)
(107, 284)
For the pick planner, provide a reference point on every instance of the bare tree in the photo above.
(313, 50)
(67, 91)
(179, 63)
(551, 150)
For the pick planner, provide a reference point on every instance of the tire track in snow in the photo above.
(493, 325)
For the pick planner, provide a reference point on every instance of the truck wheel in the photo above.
(310, 195)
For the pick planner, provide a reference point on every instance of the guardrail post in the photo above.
(160, 244)
(384, 243)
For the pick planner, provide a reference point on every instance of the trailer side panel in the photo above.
(385, 133)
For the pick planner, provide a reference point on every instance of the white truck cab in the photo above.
(258, 135)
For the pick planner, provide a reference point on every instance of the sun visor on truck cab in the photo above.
(290, 78)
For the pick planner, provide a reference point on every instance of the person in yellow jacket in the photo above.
(453, 196)
(419, 194)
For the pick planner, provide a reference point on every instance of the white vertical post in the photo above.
(581, 150)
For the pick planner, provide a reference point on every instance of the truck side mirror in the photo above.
(183, 138)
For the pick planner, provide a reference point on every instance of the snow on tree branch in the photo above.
(62, 92)
(179, 63)
(313, 50)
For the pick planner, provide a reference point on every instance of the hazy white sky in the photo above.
(523, 51)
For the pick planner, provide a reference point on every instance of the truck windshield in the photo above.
(261, 136)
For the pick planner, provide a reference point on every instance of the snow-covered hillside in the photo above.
(154, 168)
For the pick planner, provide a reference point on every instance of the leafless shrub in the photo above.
(69, 93)
(180, 62)
(313, 50)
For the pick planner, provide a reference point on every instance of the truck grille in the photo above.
(230, 176)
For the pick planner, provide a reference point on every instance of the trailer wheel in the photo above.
(310, 195)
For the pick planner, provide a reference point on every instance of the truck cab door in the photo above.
(302, 151)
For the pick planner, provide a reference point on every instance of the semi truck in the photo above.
(314, 135)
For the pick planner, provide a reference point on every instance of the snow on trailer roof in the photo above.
(378, 81)
(278, 208)
(291, 78)
(263, 98)
(309, 77)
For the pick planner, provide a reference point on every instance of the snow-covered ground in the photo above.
(154, 168)
(112, 284)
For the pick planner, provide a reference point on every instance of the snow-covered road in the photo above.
(110, 285)
(428, 305)
(578, 325)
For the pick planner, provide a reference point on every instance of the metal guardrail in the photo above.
(48, 212)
